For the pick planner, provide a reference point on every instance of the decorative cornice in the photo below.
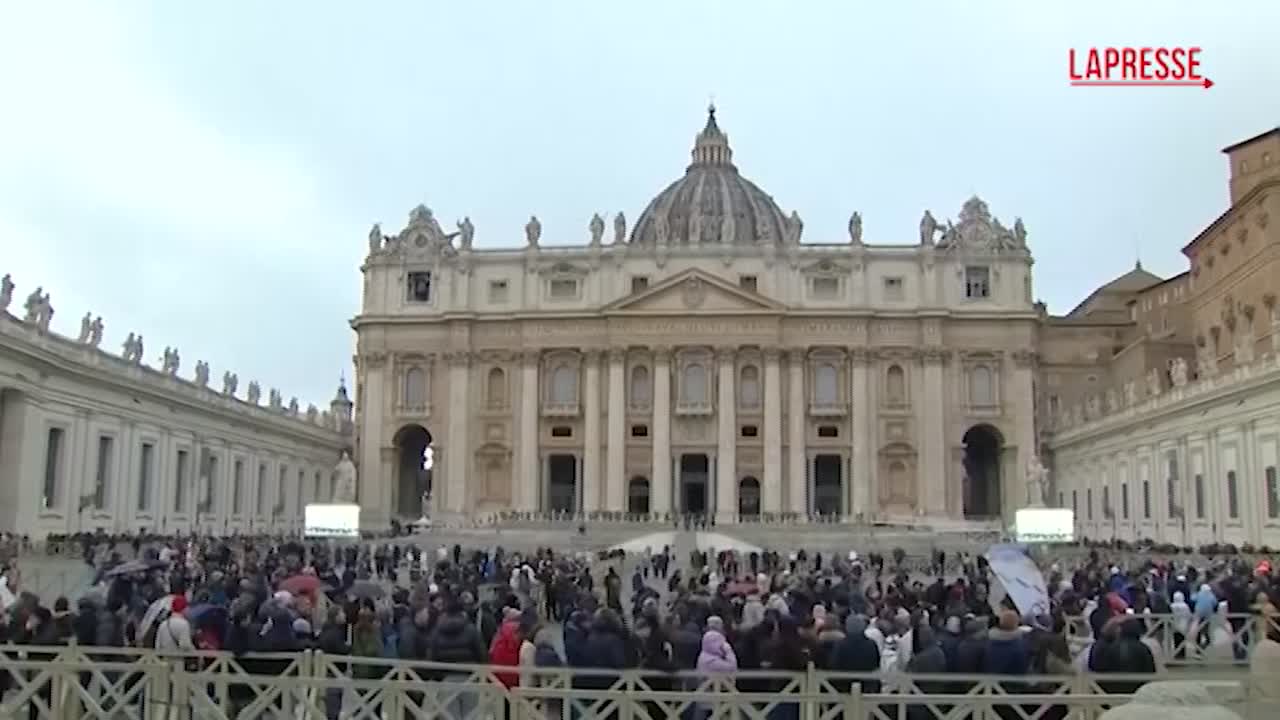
(661, 353)
(935, 354)
(860, 355)
(530, 356)
(1025, 358)
(797, 356)
(592, 355)
(617, 355)
(373, 360)
(458, 358)
(772, 354)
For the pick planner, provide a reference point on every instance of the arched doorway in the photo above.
(749, 497)
(638, 496)
(828, 485)
(983, 445)
(413, 470)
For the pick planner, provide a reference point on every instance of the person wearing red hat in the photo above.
(174, 634)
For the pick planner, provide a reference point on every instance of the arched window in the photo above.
(694, 388)
(496, 388)
(415, 387)
(564, 384)
(981, 387)
(749, 387)
(826, 384)
(896, 385)
(641, 392)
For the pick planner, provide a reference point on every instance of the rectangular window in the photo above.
(210, 482)
(317, 495)
(1088, 503)
(146, 471)
(563, 289)
(497, 291)
(893, 289)
(237, 487)
(1171, 482)
(1061, 501)
(1124, 500)
(297, 499)
(1075, 502)
(1273, 500)
(750, 431)
(418, 287)
(180, 482)
(977, 282)
(825, 288)
(281, 482)
(1199, 496)
(52, 467)
(640, 431)
(1233, 499)
(639, 283)
(1146, 499)
(260, 501)
(828, 431)
(102, 476)
(748, 282)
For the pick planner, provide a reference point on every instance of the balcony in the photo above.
(828, 409)
(689, 408)
(560, 409)
(413, 410)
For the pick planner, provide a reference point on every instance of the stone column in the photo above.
(1022, 397)
(457, 453)
(932, 411)
(616, 497)
(661, 489)
(373, 487)
(529, 477)
(797, 458)
(771, 488)
(862, 453)
(592, 482)
(727, 445)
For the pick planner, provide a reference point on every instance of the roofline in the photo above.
(1265, 133)
(1213, 225)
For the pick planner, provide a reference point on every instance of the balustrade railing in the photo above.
(1187, 641)
(114, 683)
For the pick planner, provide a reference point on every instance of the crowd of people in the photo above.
(707, 614)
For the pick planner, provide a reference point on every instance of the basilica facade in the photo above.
(710, 358)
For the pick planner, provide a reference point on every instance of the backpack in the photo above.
(148, 639)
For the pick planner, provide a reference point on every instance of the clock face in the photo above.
(420, 241)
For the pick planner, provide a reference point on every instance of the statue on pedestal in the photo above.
(928, 228)
(86, 327)
(345, 480)
(375, 239)
(254, 394)
(1037, 482)
(95, 332)
(6, 292)
(229, 382)
(466, 233)
(533, 231)
(855, 229)
(619, 229)
(1178, 372)
(202, 373)
(32, 305)
(596, 226)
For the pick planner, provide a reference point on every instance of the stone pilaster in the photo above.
(797, 458)
(727, 438)
(529, 474)
(660, 492)
(771, 492)
(616, 456)
(591, 478)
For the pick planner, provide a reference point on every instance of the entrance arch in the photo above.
(983, 446)
(413, 470)
(638, 496)
(828, 485)
(749, 497)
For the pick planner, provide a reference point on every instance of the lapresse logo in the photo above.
(1136, 67)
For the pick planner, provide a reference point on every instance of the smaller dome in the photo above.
(712, 204)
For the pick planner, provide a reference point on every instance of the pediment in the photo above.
(694, 291)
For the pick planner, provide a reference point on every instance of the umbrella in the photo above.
(301, 584)
(367, 589)
(132, 567)
(163, 605)
(206, 614)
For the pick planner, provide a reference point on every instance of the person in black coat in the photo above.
(856, 653)
(606, 649)
(1126, 654)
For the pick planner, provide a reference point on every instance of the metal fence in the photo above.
(102, 683)
(1183, 642)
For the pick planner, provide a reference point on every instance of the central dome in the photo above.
(712, 204)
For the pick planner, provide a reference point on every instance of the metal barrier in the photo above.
(114, 684)
(1185, 642)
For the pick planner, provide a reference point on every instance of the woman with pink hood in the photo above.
(717, 655)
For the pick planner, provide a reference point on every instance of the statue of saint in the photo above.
(533, 231)
(1037, 482)
(375, 239)
(1178, 372)
(33, 305)
(619, 229)
(95, 332)
(86, 327)
(254, 394)
(345, 480)
(928, 228)
(855, 229)
(1130, 393)
(202, 373)
(1019, 232)
(46, 313)
(1154, 386)
(229, 382)
(466, 231)
(795, 227)
(596, 226)
(6, 292)
(126, 350)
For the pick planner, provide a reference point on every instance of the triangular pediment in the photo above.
(694, 291)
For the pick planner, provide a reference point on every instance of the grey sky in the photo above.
(207, 175)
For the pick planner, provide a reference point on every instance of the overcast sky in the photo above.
(207, 175)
